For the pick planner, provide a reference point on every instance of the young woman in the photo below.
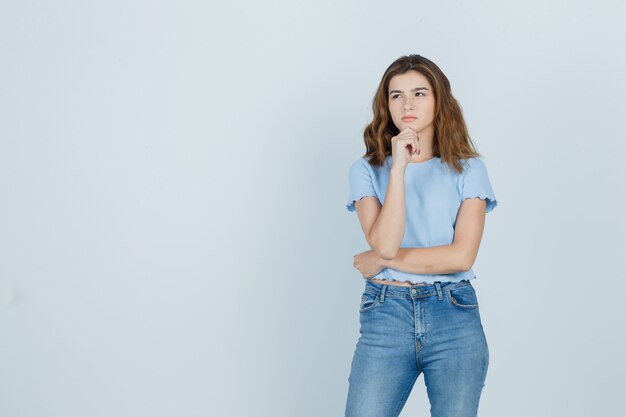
(421, 194)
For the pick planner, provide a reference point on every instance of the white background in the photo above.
(173, 180)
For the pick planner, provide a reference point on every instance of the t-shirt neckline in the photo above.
(417, 164)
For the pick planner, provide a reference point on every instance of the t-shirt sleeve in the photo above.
(476, 183)
(360, 183)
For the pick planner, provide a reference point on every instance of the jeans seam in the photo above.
(404, 396)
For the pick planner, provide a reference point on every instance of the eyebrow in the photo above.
(415, 89)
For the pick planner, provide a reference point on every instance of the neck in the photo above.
(422, 157)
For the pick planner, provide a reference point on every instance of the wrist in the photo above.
(385, 263)
(397, 170)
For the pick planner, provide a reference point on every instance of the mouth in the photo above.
(409, 119)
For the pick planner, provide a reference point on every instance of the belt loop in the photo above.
(382, 293)
(438, 287)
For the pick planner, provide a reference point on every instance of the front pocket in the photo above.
(463, 297)
(368, 301)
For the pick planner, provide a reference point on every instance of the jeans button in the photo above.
(413, 290)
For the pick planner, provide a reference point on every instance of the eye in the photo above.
(419, 92)
(395, 96)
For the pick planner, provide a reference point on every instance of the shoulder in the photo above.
(473, 164)
(361, 165)
(474, 161)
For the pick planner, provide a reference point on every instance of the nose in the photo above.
(408, 104)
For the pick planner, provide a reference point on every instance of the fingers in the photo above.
(411, 141)
(408, 139)
(408, 131)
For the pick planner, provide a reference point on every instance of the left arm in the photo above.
(445, 259)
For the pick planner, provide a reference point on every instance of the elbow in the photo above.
(464, 257)
(461, 258)
(465, 262)
(385, 250)
(464, 266)
(387, 254)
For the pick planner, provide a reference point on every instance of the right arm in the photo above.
(383, 225)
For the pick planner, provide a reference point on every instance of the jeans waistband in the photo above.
(415, 291)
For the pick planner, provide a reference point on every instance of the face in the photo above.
(410, 94)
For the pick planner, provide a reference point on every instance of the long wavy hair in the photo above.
(451, 141)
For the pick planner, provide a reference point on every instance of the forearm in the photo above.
(388, 231)
(445, 259)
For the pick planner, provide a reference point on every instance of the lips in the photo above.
(409, 118)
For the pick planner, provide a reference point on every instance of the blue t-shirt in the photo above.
(434, 192)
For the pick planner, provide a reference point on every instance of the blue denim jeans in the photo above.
(434, 329)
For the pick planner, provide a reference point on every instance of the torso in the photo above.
(395, 283)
